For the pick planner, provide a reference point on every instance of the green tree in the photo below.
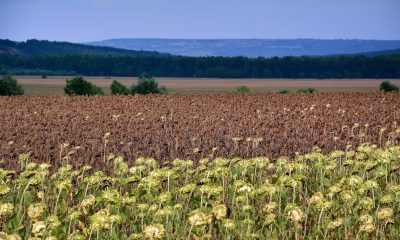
(307, 90)
(388, 87)
(118, 88)
(147, 85)
(283, 91)
(79, 86)
(10, 87)
(242, 89)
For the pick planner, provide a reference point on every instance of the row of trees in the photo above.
(79, 86)
(218, 67)
(245, 89)
(146, 85)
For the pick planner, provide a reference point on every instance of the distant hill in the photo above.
(40, 48)
(380, 53)
(251, 47)
(60, 58)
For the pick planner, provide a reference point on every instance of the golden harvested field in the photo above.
(192, 127)
(54, 85)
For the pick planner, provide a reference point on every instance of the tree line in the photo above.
(387, 66)
(79, 86)
(146, 85)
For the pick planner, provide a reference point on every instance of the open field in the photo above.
(211, 166)
(54, 85)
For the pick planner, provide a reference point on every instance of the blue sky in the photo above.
(88, 20)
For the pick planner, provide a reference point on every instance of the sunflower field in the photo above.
(166, 127)
(352, 193)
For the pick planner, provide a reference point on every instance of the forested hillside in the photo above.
(39, 48)
(381, 53)
(35, 57)
(216, 67)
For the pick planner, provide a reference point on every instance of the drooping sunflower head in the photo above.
(6, 209)
(335, 224)
(198, 218)
(294, 213)
(36, 210)
(155, 231)
(219, 211)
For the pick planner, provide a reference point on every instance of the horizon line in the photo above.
(204, 39)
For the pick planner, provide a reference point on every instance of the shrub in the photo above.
(242, 89)
(79, 86)
(118, 88)
(10, 87)
(283, 91)
(307, 90)
(98, 90)
(388, 87)
(147, 85)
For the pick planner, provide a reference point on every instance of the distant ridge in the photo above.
(43, 47)
(251, 47)
(380, 53)
(61, 58)
(248, 48)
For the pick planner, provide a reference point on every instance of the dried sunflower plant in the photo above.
(349, 194)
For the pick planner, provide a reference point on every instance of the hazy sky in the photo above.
(88, 20)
